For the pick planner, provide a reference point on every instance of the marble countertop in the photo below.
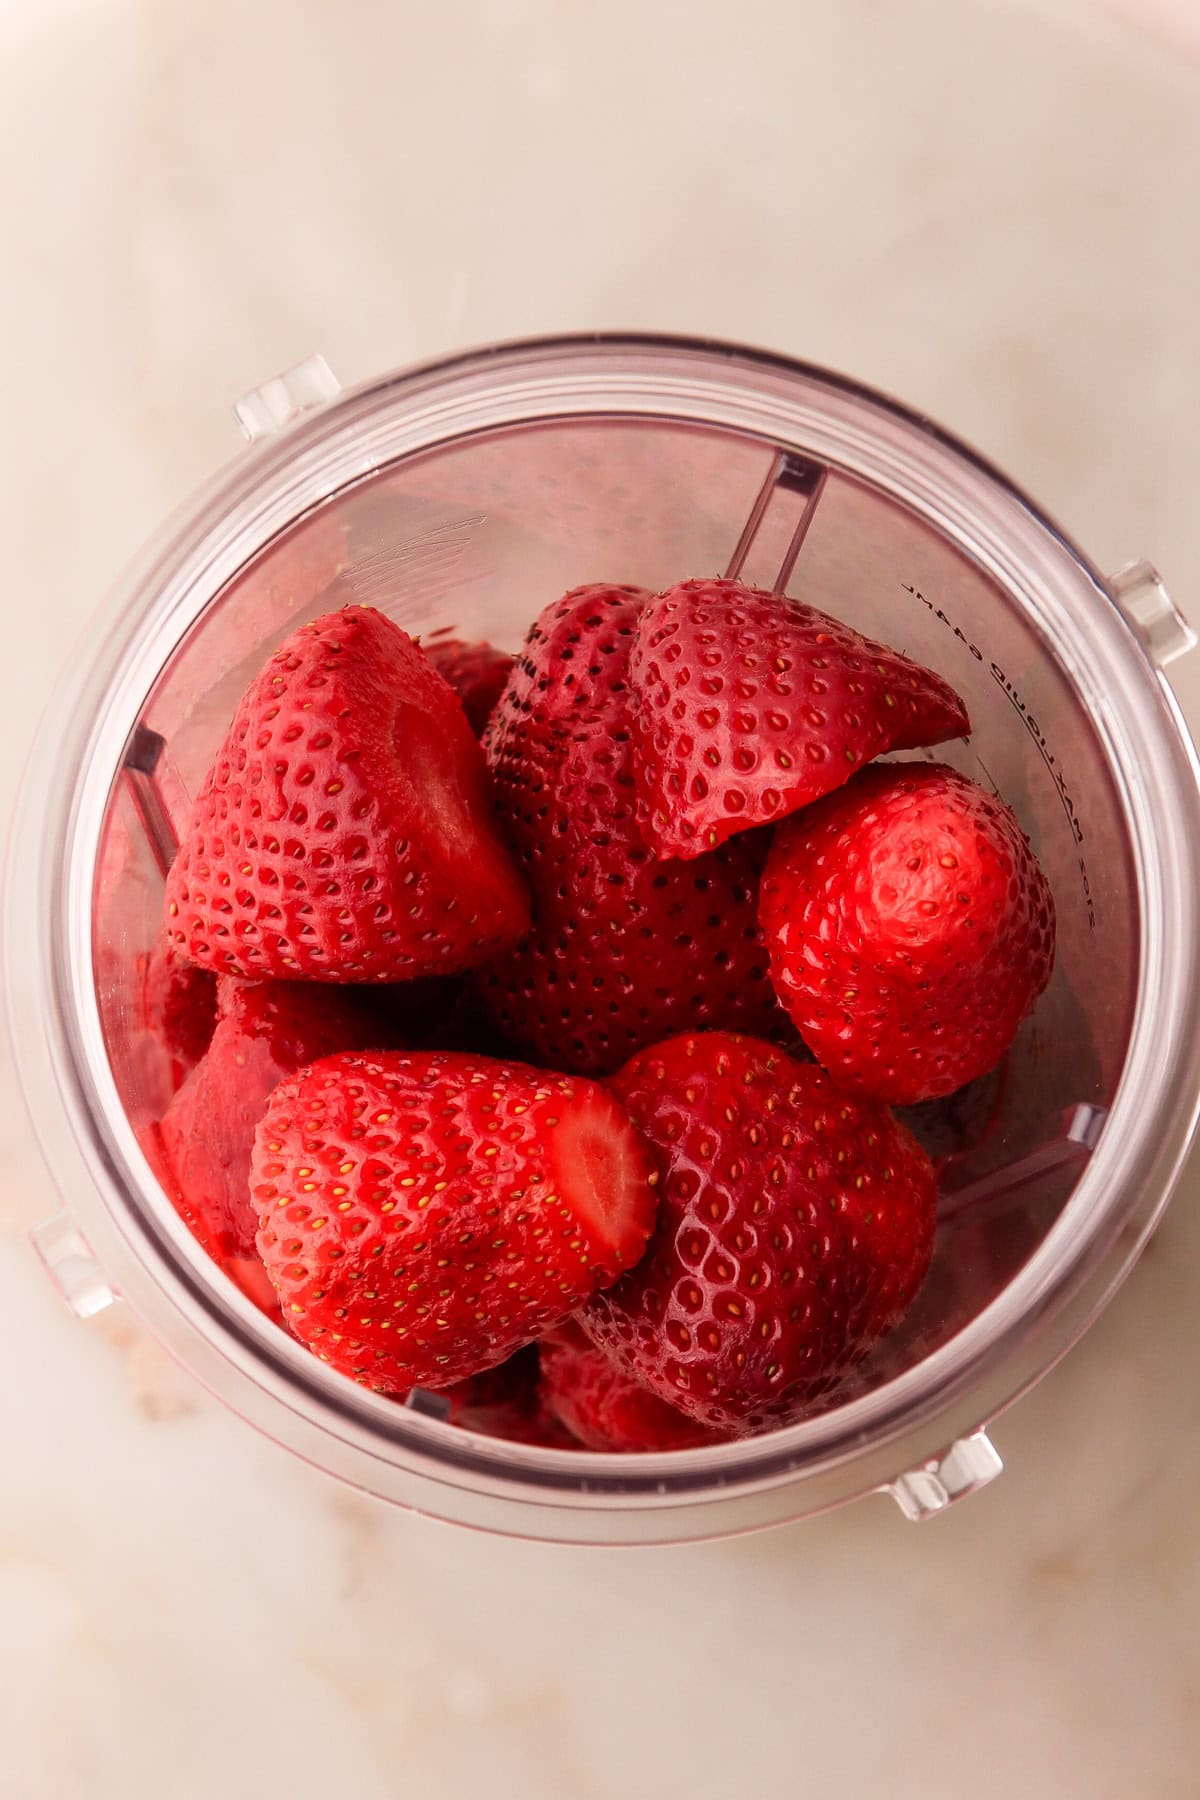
(990, 210)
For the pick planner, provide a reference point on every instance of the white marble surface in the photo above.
(990, 209)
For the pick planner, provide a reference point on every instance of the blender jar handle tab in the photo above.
(966, 1466)
(277, 402)
(1141, 595)
(71, 1266)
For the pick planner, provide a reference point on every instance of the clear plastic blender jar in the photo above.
(467, 494)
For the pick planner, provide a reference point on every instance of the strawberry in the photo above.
(749, 705)
(264, 1031)
(507, 1402)
(344, 832)
(422, 1215)
(911, 929)
(603, 1406)
(625, 949)
(574, 659)
(795, 1225)
(179, 1003)
(476, 672)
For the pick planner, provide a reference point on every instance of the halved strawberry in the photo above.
(625, 949)
(795, 1226)
(477, 673)
(422, 1215)
(911, 929)
(344, 832)
(264, 1032)
(601, 1404)
(749, 705)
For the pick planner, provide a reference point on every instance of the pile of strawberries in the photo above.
(493, 990)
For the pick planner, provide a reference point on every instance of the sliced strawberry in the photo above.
(180, 1005)
(795, 1226)
(424, 1214)
(265, 1031)
(911, 930)
(344, 832)
(625, 949)
(476, 672)
(601, 1404)
(749, 705)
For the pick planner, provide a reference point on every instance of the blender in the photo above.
(464, 495)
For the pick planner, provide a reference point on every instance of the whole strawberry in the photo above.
(749, 705)
(795, 1226)
(344, 832)
(422, 1215)
(601, 1404)
(476, 672)
(625, 949)
(264, 1032)
(911, 929)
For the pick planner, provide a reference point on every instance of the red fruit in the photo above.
(506, 1402)
(603, 1406)
(911, 930)
(795, 1225)
(749, 705)
(625, 949)
(476, 672)
(575, 655)
(344, 832)
(265, 1031)
(180, 1007)
(424, 1214)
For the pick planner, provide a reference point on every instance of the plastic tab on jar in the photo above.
(1139, 591)
(267, 409)
(968, 1465)
(71, 1266)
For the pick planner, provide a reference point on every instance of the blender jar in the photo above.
(467, 494)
